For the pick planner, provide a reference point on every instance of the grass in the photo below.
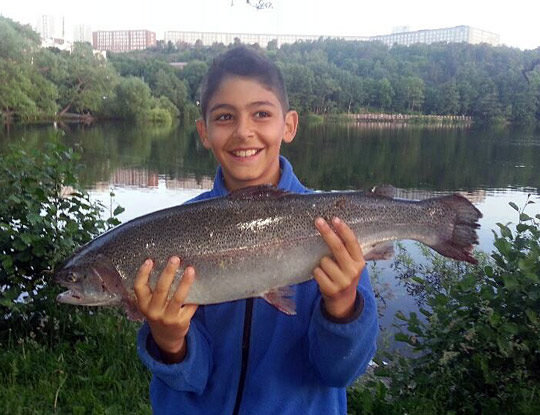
(93, 369)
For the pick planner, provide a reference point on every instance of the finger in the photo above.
(179, 297)
(161, 292)
(142, 289)
(326, 286)
(188, 311)
(333, 241)
(349, 239)
(331, 269)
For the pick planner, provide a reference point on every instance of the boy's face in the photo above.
(244, 128)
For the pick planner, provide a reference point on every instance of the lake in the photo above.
(149, 167)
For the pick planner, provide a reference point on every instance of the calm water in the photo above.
(153, 167)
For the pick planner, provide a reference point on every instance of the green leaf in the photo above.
(72, 226)
(418, 280)
(521, 227)
(505, 231)
(401, 337)
(118, 210)
(401, 316)
(511, 328)
(532, 315)
(514, 206)
(524, 217)
(27, 239)
(511, 283)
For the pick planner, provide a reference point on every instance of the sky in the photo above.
(516, 22)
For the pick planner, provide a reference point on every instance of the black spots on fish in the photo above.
(257, 193)
(340, 203)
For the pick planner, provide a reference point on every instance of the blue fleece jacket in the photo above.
(297, 365)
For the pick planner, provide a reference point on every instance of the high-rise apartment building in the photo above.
(45, 27)
(82, 33)
(123, 40)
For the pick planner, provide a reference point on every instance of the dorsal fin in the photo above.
(264, 191)
(386, 190)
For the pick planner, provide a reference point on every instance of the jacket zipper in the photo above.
(245, 354)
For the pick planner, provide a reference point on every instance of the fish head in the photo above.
(93, 284)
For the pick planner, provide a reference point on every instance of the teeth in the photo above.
(245, 153)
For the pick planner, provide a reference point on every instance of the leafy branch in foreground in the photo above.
(475, 348)
(44, 216)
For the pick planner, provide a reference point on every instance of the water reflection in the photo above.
(324, 155)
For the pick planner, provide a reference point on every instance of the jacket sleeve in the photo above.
(340, 352)
(190, 375)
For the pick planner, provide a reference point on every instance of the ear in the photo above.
(291, 125)
(203, 132)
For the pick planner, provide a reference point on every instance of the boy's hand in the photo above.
(338, 276)
(168, 319)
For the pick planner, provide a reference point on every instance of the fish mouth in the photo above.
(74, 297)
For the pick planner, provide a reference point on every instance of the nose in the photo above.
(244, 127)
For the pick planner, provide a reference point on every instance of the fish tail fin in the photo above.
(458, 244)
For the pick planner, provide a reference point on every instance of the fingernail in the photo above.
(148, 262)
(336, 221)
(174, 260)
(320, 222)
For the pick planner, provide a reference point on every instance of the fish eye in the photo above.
(71, 277)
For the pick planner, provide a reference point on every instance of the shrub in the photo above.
(44, 216)
(476, 347)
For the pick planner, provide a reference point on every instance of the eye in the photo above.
(262, 114)
(224, 117)
(71, 277)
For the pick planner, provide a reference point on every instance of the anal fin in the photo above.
(380, 251)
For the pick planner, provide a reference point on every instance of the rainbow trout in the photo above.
(256, 242)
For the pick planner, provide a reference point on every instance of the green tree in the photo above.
(133, 99)
(193, 73)
(170, 86)
(88, 81)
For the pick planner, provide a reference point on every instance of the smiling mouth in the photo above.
(246, 153)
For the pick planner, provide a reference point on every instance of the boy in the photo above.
(246, 357)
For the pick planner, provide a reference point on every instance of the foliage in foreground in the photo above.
(44, 216)
(57, 359)
(476, 349)
(87, 364)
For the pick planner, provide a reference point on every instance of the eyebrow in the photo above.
(229, 106)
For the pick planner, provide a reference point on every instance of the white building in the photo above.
(45, 26)
(82, 33)
(402, 37)
(209, 38)
(456, 34)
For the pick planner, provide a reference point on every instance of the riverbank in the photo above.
(408, 118)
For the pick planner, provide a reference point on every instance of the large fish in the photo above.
(256, 242)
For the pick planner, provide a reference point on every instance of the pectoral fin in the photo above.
(283, 299)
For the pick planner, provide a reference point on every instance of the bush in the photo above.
(44, 216)
(476, 349)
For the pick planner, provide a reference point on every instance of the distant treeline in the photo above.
(327, 76)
